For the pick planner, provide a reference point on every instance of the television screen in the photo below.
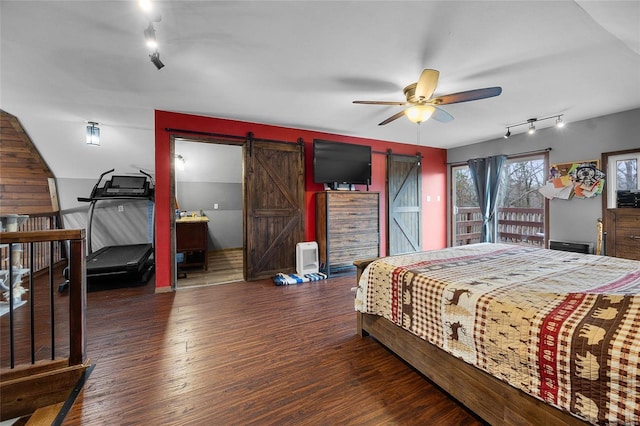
(340, 163)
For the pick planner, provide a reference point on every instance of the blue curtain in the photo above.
(486, 178)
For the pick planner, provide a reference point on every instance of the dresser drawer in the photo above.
(345, 201)
(353, 215)
(630, 220)
(353, 226)
(628, 243)
(346, 256)
(353, 240)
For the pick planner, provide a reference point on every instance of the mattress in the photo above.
(563, 327)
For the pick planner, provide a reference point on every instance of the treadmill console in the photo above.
(126, 185)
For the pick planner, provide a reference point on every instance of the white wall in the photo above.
(575, 219)
(212, 181)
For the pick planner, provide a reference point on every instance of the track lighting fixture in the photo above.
(150, 32)
(93, 133)
(155, 58)
(532, 127)
(180, 162)
(150, 37)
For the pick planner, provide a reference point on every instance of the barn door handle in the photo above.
(633, 237)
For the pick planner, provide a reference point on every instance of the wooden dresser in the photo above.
(347, 228)
(623, 233)
(192, 239)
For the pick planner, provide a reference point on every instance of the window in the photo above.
(623, 175)
(521, 208)
(467, 219)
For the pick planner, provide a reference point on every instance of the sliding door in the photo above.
(403, 201)
(522, 209)
(274, 207)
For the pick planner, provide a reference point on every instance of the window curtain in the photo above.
(485, 173)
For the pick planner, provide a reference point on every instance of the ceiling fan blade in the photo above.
(469, 95)
(427, 84)
(441, 115)
(380, 103)
(392, 118)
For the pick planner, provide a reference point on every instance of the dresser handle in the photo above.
(633, 237)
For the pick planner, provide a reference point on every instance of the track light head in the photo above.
(559, 122)
(155, 58)
(506, 135)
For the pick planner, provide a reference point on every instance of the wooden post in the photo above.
(77, 302)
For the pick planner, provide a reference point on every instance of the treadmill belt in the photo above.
(129, 258)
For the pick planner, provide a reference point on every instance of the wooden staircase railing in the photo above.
(26, 387)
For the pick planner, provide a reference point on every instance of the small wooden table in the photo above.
(192, 239)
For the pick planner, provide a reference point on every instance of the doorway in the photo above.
(209, 184)
(272, 200)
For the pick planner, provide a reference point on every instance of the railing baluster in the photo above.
(52, 304)
(11, 324)
(32, 307)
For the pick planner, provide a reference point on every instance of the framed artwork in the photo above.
(582, 179)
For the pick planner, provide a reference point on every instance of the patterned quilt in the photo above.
(563, 327)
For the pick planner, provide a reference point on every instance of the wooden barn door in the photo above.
(274, 207)
(404, 207)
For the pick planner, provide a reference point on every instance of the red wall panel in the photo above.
(433, 177)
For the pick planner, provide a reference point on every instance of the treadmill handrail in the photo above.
(95, 188)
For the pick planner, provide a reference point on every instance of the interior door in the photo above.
(404, 204)
(274, 207)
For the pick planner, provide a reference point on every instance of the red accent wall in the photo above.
(433, 177)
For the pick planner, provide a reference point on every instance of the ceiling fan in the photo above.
(422, 105)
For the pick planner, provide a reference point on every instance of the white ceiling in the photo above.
(302, 63)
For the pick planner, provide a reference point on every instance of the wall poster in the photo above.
(581, 179)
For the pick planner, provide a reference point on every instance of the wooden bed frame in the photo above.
(490, 398)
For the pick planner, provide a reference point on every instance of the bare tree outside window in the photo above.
(520, 208)
(522, 179)
(627, 175)
(465, 192)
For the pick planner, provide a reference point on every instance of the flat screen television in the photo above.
(336, 163)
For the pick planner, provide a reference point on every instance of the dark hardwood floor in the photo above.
(225, 266)
(246, 353)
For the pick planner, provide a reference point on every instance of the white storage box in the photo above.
(307, 258)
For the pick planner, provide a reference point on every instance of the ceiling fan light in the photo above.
(419, 113)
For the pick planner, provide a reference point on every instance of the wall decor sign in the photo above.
(582, 179)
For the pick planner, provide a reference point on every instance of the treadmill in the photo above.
(126, 262)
